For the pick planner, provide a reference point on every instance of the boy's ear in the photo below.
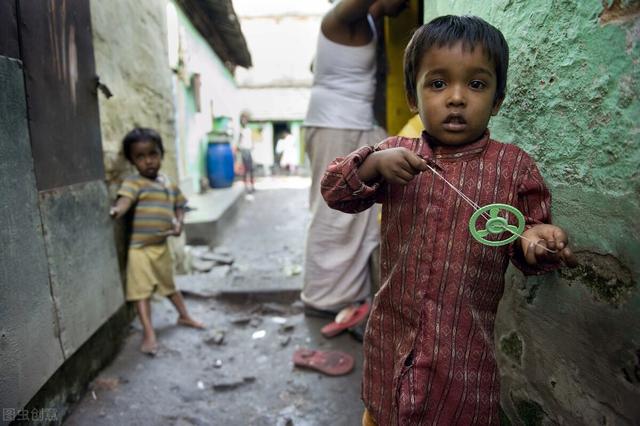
(496, 106)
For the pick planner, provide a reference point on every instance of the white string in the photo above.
(477, 207)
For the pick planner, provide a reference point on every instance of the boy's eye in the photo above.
(437, 84)
(477, 84)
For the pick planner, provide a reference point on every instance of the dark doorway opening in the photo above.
(279, 127)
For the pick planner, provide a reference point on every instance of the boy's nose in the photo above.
(456, 96)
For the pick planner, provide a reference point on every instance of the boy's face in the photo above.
(147, 158)
(455, 93)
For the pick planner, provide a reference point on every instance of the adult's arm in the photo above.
(346, 23)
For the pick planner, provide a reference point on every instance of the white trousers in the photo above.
(338, 245)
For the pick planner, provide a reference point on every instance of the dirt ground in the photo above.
(239, 371)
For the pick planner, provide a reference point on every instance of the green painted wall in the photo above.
(572, 103)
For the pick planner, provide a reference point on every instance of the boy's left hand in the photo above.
(551, 237)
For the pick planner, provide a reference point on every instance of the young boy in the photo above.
(158, 213)
(428, 348)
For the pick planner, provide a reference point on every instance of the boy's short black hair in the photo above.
(141, 134)
(448, 30)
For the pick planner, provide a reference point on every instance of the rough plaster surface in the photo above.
(129, 41)
(82, 260)
(572, 103)
(27, 318)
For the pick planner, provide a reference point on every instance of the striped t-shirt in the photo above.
(155, 202)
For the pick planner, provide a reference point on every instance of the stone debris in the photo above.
(273, 308)
(241, 320)
(105, 383)
(214, 337)
(227, 384)
(286, 328)
(221, 259)
(284, 340)
(202, 259)
(255, 322)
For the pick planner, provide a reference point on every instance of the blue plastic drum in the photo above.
(220, 164)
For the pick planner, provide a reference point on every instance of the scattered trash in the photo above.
(93, 394)
(291, 270)
(218, 363)
(259, 334)
(200, 385)
(279, 320)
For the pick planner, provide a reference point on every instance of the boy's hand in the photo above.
(551, 237)
(175, 231)
(177, 227)
(396, 165)
(122, 205)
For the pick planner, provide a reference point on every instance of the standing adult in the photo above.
(245, 146)
(339, 119)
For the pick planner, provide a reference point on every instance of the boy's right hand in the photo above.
(398, 165)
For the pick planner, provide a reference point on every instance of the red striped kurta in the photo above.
(429, 351)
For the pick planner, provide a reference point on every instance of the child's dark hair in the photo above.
(141, 134)
(447, 31)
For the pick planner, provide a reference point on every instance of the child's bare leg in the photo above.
(149, 344)
(184, 318)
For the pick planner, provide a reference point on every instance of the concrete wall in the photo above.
(281, 36)
(569, 343)
(130, 45)
(131, 55)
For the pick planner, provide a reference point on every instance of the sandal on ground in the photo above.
(331, 363)
(347, 318)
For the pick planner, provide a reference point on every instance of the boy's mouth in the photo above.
(454, 122)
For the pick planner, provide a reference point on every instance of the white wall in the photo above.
(281, 36)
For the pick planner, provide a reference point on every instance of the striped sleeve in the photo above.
(534, 201)
(180, 200)
(129, 189)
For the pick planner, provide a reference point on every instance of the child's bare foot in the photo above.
(190, 322)
(149, 347)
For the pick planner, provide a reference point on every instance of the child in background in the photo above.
(429, 348)
(158, 213)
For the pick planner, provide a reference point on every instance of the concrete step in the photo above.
(212, 214)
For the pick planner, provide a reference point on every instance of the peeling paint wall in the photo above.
(130, 45)
(569, 343)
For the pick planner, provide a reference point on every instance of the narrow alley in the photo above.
(227, 374)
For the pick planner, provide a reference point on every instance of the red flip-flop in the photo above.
(353, 318)
(331, 363)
